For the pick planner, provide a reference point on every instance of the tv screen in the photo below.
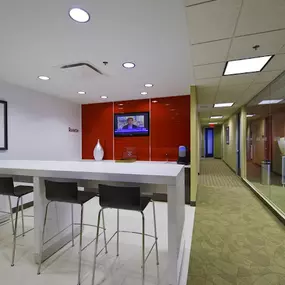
(132, 124)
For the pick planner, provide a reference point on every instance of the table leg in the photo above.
(176, 216)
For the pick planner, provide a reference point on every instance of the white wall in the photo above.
(38, 126)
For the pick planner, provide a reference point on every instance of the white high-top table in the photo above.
(170, 175)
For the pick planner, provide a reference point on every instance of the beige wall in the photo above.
(258, 135)
(229, 150)
(278, 130)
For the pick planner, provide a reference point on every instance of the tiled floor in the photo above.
(125, 270)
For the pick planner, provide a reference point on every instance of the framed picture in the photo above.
(227, 135)
(3, 126)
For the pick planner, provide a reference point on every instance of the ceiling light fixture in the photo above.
(79, 15)
(81, 92)
(128, 65)
(220, 105)
(148, 85)
(144, 93)
(267, 102)
(213, 123)
(43, 77)
(216, 117)
(104, 97)
(250, 115)
(246, 65)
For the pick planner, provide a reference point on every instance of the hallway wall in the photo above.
(229, 150)
(218, 142)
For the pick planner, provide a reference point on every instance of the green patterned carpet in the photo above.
(236, 239)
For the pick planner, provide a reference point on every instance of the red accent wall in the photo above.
(140, 143)
(169, 128)
(97, 123)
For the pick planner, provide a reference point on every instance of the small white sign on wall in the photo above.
(3, 126)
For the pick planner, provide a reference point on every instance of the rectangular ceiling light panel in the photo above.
(221, 105)
(268, 102)
(246, 65)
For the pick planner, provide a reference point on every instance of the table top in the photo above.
(141, 172)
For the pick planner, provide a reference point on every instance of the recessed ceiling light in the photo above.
(79, 15)
(81, 92)
(154, 101)
(129, 65)
(216, 117)
(104, 97)
(246, 65)
(267, 102)
(220, 105)
(43, 77)
(250, 115)
(148, 85)
(144, 93)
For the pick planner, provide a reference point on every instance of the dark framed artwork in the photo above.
(227, 135)
(3, 126)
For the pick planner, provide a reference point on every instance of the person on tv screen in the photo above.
(130, 124)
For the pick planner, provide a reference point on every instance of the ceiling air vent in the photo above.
(80, 65)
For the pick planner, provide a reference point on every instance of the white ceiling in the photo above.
(38, 37)
(223, 30)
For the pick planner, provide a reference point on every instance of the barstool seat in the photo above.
(68, 192)
(130, 199)
(7, 188)
(22, 190)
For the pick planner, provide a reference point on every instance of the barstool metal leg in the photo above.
(15, 233)
(96, 247)
(43, 239)
(155, 232)
(80, 245)
(118, 231)
(143, 248)
(22, 210)
(104, 229)
(72, 224)
(11, 213)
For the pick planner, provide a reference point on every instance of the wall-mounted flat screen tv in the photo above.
(131, 124)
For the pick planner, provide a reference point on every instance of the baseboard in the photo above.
(25, 206)
(271, 206)
(193, 203)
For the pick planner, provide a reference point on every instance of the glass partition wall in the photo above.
(266, 142)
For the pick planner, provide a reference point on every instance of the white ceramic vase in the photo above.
(281, 143)
(98, 151)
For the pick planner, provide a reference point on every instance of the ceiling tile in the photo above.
(261, 16)
(210, 52)
(195, 2)
(213, 20)
(277, 63)
(209, 70)
(270, 43)
(230, 93)
(206, 95)
(282, 50)
(208, 82)
(267, 76)
(237, 79)
(252, 91)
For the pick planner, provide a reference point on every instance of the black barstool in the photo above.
(125, 198)
(67, 192)
(7, 188)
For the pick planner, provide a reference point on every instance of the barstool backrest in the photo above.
(61, 191)
(128, 198)
(6, 186)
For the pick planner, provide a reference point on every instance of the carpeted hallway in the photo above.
(236, 239)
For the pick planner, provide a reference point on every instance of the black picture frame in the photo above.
(227, 135)
(4, 119)
(133, 134)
